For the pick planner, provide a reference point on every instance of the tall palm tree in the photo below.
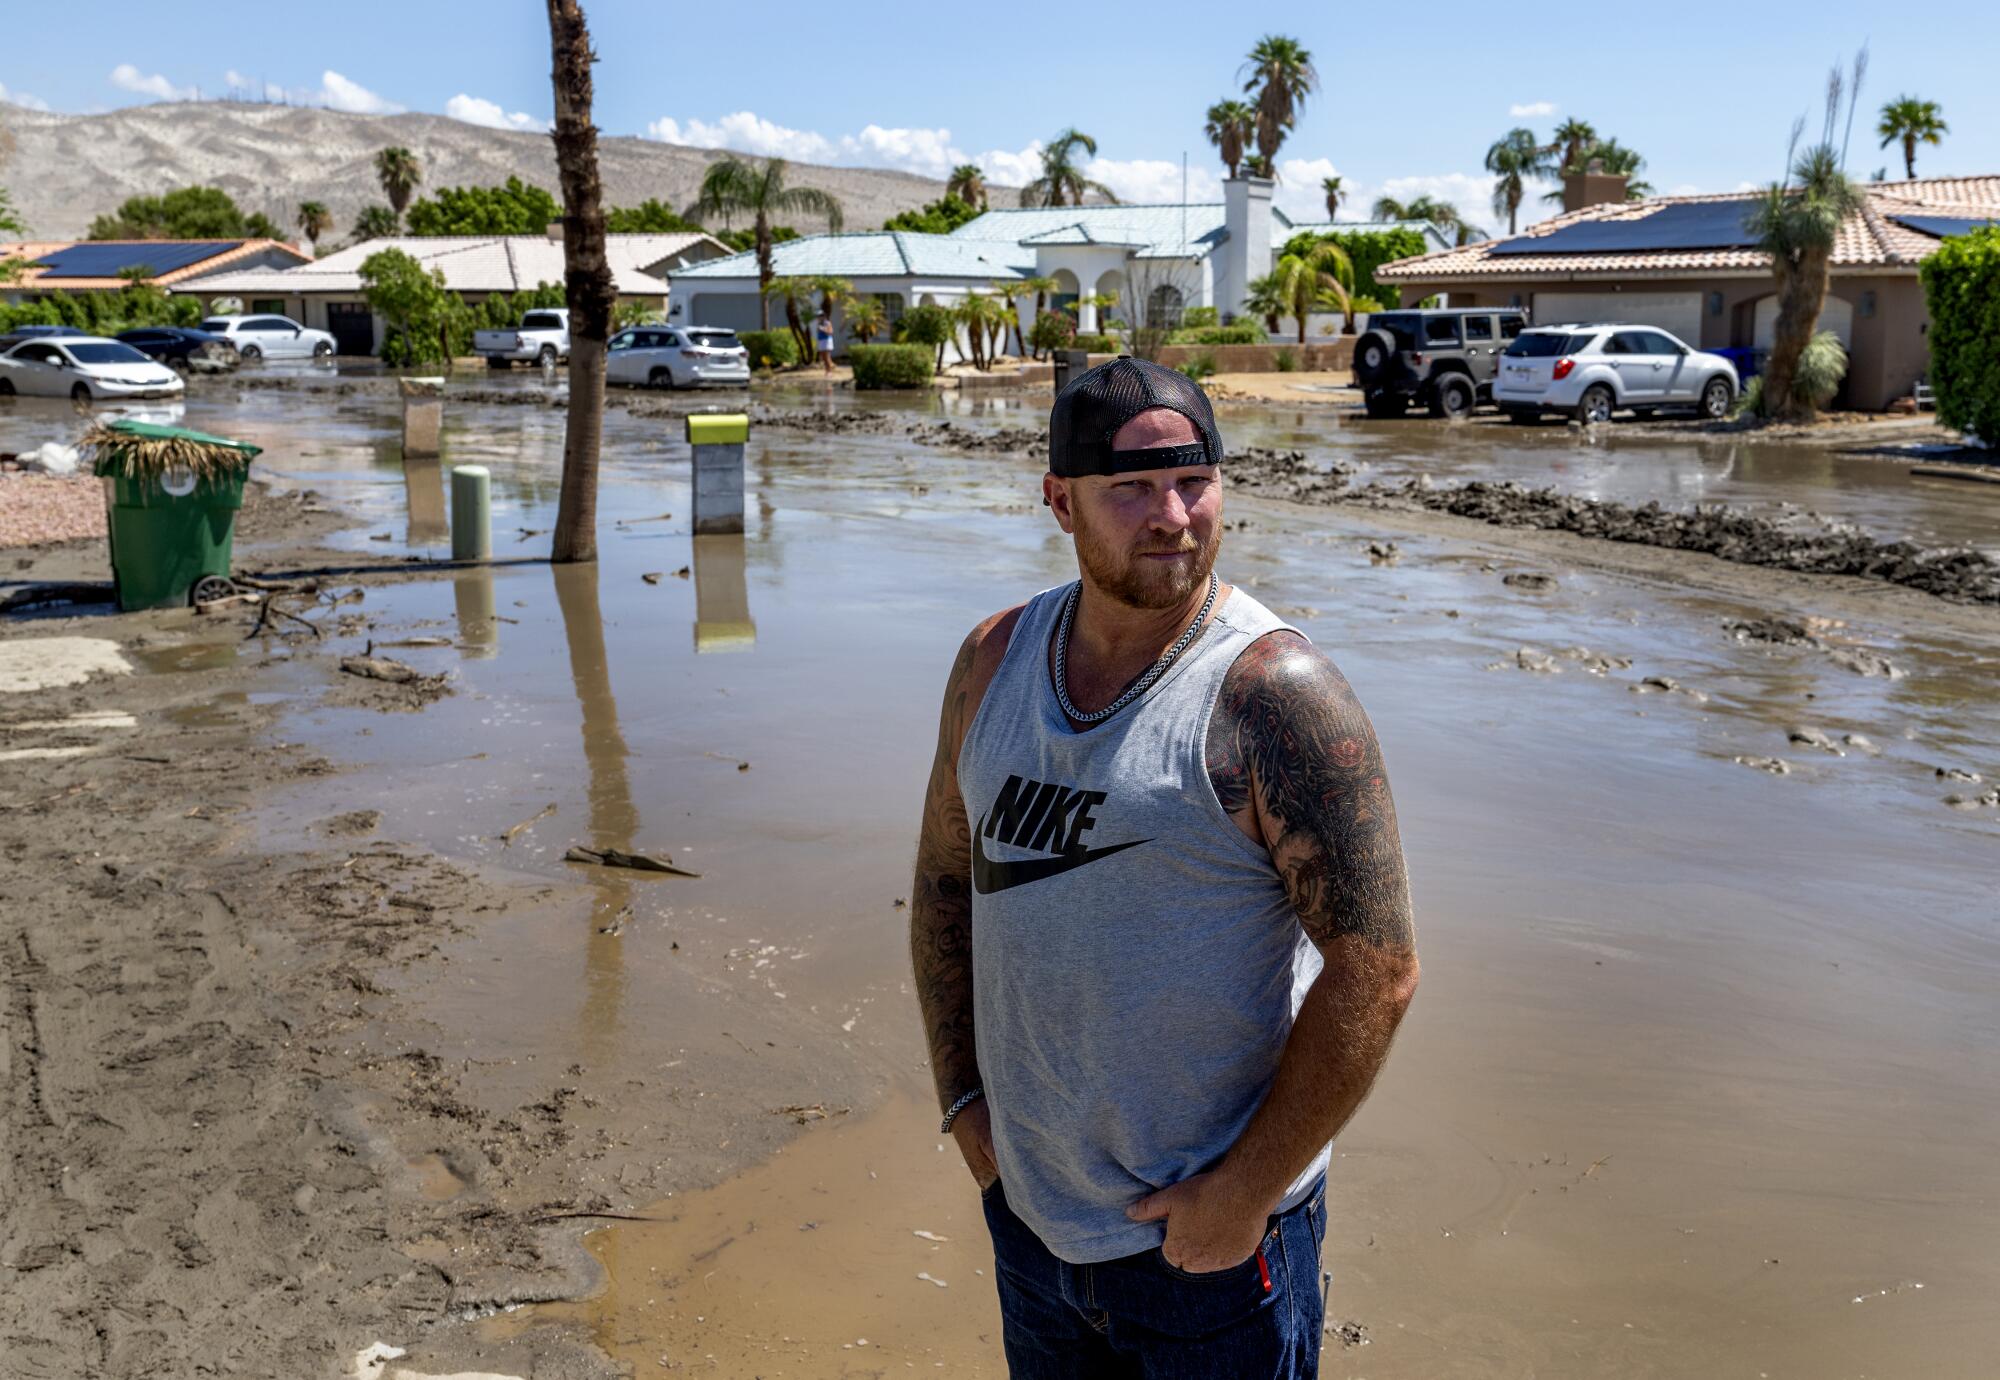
(1513, 159)
(797, 296)
(733, 187)
(1041, 287)
(1322, 276)
(1282, 76)
(1567, 145)
(1429, 211)
(1062, 182)
(399, 173)
(1231, 125)
(314, 220)
(1912, 121)
(1009, 291)
(1334, 191)
(968, 184)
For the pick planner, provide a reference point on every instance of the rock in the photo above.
(1528, 659)
(352, 824)
(1815, 738)
(1955, 774)
(1529, 579)
(1596, 663)
(1384, 553)
(1781, 632)
(1777, 766)
(1865, 663)
(1667, 685)
(1861, 744)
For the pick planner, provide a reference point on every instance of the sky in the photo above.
(1406, 105)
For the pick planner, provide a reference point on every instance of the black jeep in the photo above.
(1443, 358)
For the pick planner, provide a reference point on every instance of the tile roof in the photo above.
(471, 263)
(235, 252)
(876, 254)
(1867, 240)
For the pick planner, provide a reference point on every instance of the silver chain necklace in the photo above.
(1137, 687)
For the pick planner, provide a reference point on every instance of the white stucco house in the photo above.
(1175, 256)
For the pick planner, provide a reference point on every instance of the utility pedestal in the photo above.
(717, 439)
(423, 416)
(1069, 363)
(471, 514)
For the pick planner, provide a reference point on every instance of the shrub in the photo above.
(1369, 304)
(1198, 368)
(1096, 344)
(939, 217)
(1962, 288)
(930, 325)
(1286, 361)
(890, 366)
(1053, 330)
(1367, 250)
(1194, 318)
(1822, 366)
(770, 349)
(1239, 333)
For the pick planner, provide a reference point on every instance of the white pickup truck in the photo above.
(541, 338)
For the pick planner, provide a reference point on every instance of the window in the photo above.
(273, 305)
(1715, 304)
(1440, 330)
(1660, 344)
(1164, 307)
(1539, 345)
(270, 325)
(541, 321)
(1479, 328)
(892, 307)
(1401, 325)
(215, 325)
(667, 338)
(714, 340)
(1868, 303)
(105, 352)
(1629, 343)
(37, 354)
(623, 340)
(1510, 327)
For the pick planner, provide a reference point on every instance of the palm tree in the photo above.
(1912, 121)
(1322, 276)
(1282, 75)
(1334, 191)
(1513, 159)
(398, 172)
(314, 220)
(374, 223)
(1614, 157)
(734, 187)
(1262, 297)
(1009, 290)
(866, 318)
(1062, 182)
(968, 184)
(1231, 124)
(797, 294)
(1041, 287)
(1427, 210)
(1566, 147)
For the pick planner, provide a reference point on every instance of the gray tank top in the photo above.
(1136, 963)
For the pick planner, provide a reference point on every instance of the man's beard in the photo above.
(1139, 583)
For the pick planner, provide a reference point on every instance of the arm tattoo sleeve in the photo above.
(941, 900)
(1298, 739)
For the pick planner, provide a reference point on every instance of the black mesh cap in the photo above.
(1098, 401)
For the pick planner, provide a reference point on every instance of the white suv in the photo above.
(1590, 370)
(676, 357)
(270, 337)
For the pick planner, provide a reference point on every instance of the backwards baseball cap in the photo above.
(1097, 402)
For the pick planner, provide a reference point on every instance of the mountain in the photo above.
(63, 170)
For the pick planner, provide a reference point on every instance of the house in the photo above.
(106, 265)
(1688, 265)
(1171, 257)
(326, 293)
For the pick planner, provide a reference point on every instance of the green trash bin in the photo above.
(172, 496)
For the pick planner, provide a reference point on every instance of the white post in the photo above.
(471, 514)
(717, 440)
(423, 415)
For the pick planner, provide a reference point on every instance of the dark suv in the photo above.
(1443, 358)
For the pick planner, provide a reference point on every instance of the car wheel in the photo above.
(6, 388)
(1716, 399)
(1595, 405)
(250, 352)
(660, 378)
(1453, 398)
(80, 393)
(322, 350)
(547, 358)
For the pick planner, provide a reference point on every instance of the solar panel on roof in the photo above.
(109, 259)
(1686, 225)
(1941, 226)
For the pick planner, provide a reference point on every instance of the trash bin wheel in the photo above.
(211, 587)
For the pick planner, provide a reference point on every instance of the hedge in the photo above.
(1241, 333)
(1962, 289)
(890, 366)
(1096, 344)
(769, 348)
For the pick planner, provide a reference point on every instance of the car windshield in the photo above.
(216, 327)
(714, 340)
(1539, 345)
(105, 352)
(1398, 324)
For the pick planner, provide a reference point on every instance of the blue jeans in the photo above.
(1140, 1317)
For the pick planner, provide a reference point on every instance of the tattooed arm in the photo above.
(941, 897)
(1294, 761)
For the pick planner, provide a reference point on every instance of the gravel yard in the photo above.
(41, 509)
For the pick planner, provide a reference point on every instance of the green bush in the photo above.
(940, 217)
(1198, 368)
(1287, 362)
(1194, 318)
(890, 366)
(1962, 288)
(770, 349)
(1053, 330)
(1368, 250)
(1368, 304)
(104, 313)
(1096, 344)
(1822, 365)
(515, 209)
(1241, 333)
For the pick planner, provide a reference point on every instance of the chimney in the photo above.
(555, 232)
(1593, 187)
(1246, 254)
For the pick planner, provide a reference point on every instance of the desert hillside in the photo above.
(62, 170)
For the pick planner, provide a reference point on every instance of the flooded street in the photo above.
(1703, 1075)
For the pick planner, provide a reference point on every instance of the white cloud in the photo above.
(126, 77)
(1150, 181)
(1012, 169)
(334, 92)
(926, 152)
(21, 98)
(1301, 196)
(745, 133)
(1532, 110)
(475, 111)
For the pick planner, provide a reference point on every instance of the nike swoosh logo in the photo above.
(989, 876)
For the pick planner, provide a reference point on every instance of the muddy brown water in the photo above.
(1702, 1076)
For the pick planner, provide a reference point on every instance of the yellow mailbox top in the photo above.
(718, 428)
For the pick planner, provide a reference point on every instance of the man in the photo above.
(1161, 928)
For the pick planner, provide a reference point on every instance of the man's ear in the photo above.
(1056, 498)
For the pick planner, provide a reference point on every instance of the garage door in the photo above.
(1836, 316)
(1678, 312)
(735, 311)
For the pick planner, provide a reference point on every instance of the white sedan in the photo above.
(1588, 371)
(676, 357)
(85, 368)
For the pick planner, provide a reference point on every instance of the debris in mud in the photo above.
(1957, 774)
(1864, 663)
(1529, 579)
(613, 857)
(352, 824)
(417, 642)
(617, 925)
(1667, 685)
(929, 1278)
(817, 1111)
(1816, 738)
(930, 1236)
(1777, 766)
(1984, 800)
(1861, 743)
(1384, 553)
(1595, 663)
(1779, 632)
(1528, 659)
(653, 577)
(384, 668)
(514, 831)
(1348, 1333)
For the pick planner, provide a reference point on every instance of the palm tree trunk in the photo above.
(592, 293)
(1801, 294)
(1910, 156)
(766, 271)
